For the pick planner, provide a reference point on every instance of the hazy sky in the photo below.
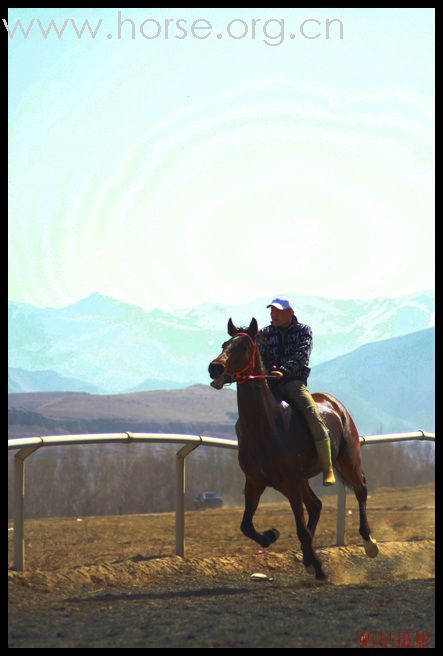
(220, 165)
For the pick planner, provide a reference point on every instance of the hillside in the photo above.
(20, 380)
(198, 409)
(388, 386)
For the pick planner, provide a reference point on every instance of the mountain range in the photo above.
(388, 386)
(102, 345)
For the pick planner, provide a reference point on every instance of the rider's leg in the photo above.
(296, 393)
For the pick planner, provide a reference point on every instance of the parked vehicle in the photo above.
(208, 500)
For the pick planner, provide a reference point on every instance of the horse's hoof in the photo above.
(321, 577)
(309, 569)
(370, 547)
(272, 535)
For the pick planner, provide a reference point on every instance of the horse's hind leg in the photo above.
(253, 491)
(313, 506)
(310, 558)
(370, 545)
(358, 483)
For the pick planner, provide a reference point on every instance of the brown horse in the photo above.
(275, 447)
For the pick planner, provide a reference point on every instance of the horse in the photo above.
(275, 447)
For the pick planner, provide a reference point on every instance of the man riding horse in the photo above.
(285, 347)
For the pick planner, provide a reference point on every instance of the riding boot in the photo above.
(324, 453)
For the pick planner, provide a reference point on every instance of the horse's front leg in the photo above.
(253, 491)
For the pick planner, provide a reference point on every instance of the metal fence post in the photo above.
(19, 496)
(341, 513)
(180, 497)
(19, 506)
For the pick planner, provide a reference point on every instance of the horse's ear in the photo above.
(253, 328)
(232, 330)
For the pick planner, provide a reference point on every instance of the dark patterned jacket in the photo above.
(287, 349)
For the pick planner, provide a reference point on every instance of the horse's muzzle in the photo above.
(215, 370)
(218, 375)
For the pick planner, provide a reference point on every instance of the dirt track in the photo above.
(230, 613)
(115, 594)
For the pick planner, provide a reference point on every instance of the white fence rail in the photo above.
(27, 445)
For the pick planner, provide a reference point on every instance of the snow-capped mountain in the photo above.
(118, 347)
(339, 326)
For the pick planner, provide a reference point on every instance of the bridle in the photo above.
(239, 376)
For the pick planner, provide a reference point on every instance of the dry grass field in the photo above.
(96, 578)
(55, 543)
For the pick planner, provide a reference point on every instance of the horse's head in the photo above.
(237, 355)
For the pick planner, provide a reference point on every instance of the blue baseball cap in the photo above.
(282, 303)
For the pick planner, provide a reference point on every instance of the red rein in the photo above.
(251, 363)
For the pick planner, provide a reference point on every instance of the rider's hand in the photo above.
(277, 373)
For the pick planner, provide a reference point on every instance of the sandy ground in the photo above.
(115, 581)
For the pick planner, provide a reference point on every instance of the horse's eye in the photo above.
(224, 345)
